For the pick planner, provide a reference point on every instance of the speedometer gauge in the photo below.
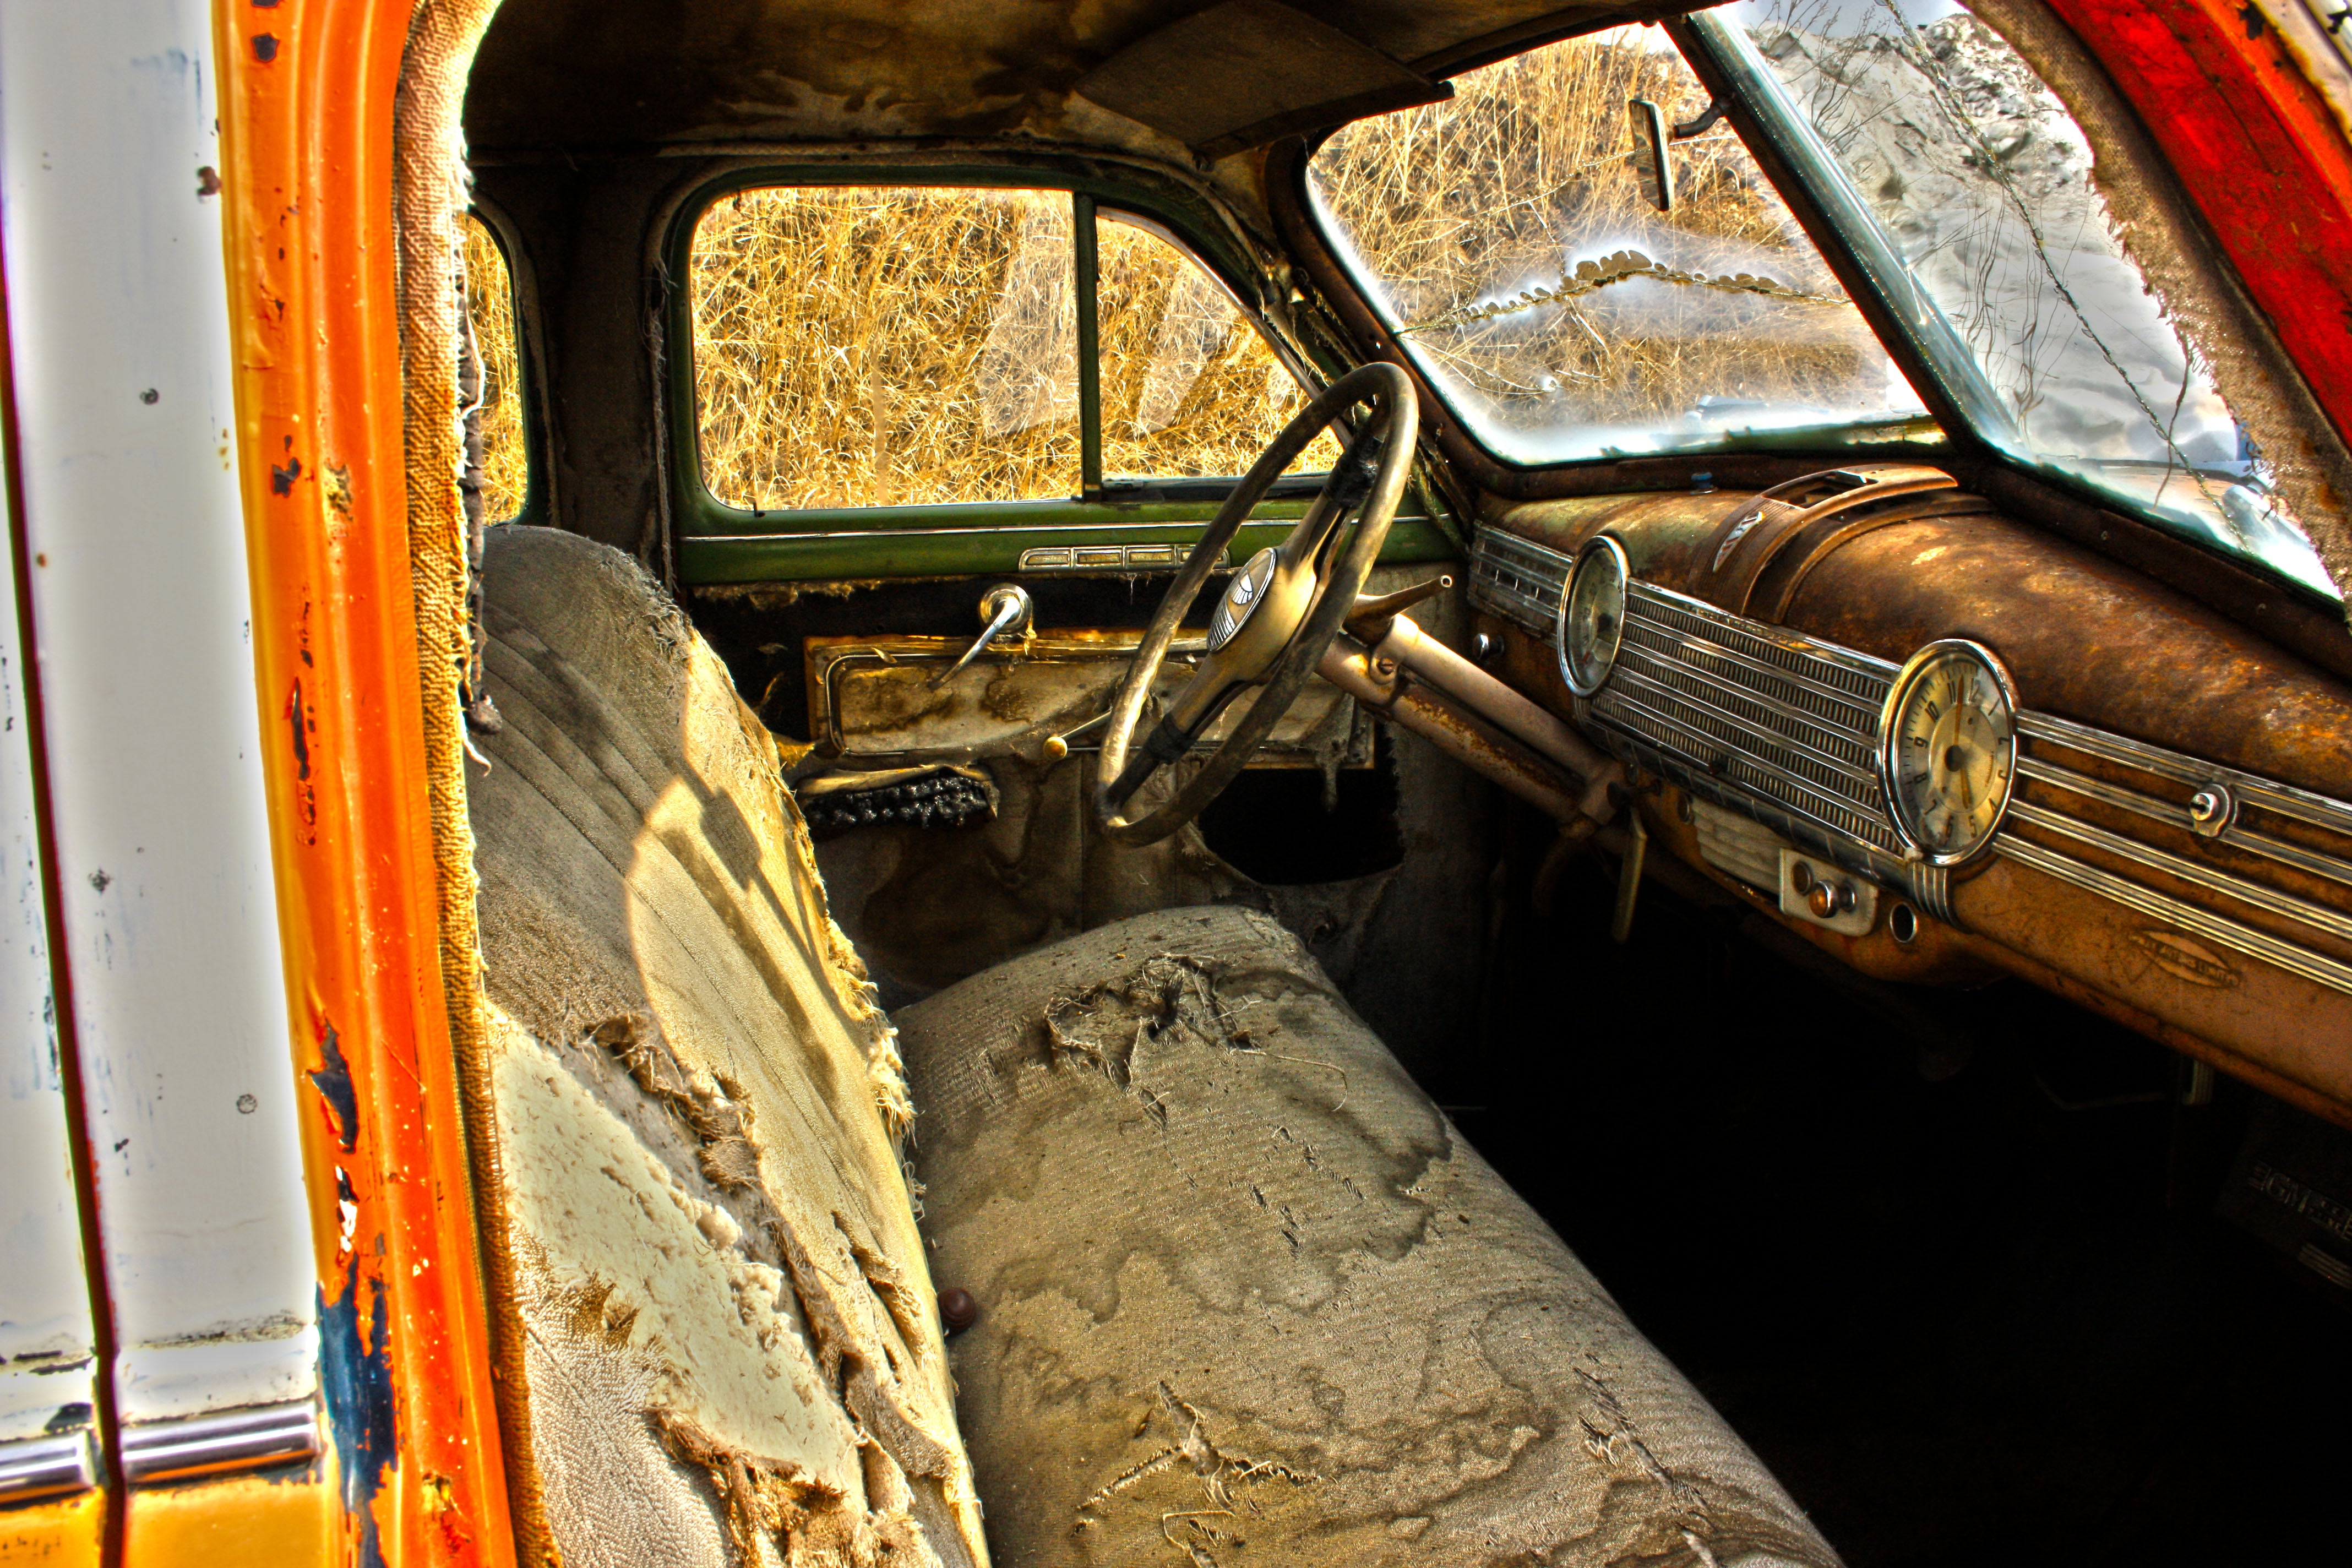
(1949, 749)
(1592, 617)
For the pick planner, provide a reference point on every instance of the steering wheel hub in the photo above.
(1242, 596)
(1275, 617)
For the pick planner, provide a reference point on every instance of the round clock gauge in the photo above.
(1948, 754)
(1592, 617)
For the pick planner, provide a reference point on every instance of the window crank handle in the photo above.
(1004, 610)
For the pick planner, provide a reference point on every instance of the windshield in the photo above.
(1568, 303)
(1973, 179)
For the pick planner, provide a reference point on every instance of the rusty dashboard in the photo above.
(2169, 845)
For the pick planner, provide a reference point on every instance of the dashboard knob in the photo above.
(2210, 811)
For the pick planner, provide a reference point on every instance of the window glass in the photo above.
(1980, 183)
(489, 306)
(1513, 237)
(1190, 388)
(885, 346)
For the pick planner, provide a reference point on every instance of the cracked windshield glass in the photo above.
(1569, 303)
(1981, 184)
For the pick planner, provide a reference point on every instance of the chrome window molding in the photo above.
(44, 1467)
(230, 1441)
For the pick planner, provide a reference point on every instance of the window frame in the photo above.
(717, 542)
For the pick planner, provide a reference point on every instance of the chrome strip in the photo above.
(2252, 789)
(1101, 558)
(2059, 776)
(1931, 887)
(1806, 733)
(231, 1440)
(2260, 895)
(2287, 854)
(1810, 802)
(2247, 787)
(1708, 700)
(46, 1467)
(1519, 580)
(1863, 706)
(1776, 639)
(2214, 927)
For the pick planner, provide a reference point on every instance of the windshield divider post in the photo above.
(1090, 460)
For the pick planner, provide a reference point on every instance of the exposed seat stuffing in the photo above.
(733, 1353)
(1247, 1297)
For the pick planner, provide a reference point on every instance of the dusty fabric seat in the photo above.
(733, 1348)
(1246, 1297)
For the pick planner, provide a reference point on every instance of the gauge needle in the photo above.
(1944, 739)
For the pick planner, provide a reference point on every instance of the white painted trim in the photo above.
(136, 535)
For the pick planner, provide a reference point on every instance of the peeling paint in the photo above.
(332, 1078)
(356, 1366)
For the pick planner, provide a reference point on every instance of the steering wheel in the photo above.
(1278, 615)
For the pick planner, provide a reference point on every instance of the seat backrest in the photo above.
(732, 1343)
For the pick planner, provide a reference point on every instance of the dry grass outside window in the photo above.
(1475, 214)
(490, 304)
(860, 346)
(1190, 389)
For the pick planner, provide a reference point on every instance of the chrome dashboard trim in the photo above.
(1931, 890)
(48, 1467)
(230, 1441)
(1519, 580)
(2313, 810)
(1860, 676)
(1790, 718)
(2260, 895)
(1786, 729)
(2251, 789)
(1100, 558)
(2220, 929)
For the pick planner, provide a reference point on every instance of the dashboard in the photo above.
(1946, 746)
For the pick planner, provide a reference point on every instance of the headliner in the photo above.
(586, 75)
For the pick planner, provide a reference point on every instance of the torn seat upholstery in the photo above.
(732, 1346)
(1246, 1295)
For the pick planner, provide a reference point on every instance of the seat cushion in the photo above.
(733, 1348)
(1247, 1296)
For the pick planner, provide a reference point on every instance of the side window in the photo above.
(1519, 238)
(864, 346)
(489, 303)
(878, 346)
(1190, 389)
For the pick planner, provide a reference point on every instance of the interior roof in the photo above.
(582, 75)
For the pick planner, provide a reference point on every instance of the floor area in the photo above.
(1969, 1297)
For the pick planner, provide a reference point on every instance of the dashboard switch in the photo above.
(1823, 894)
